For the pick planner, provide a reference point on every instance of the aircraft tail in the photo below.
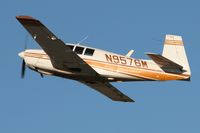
(174, 50)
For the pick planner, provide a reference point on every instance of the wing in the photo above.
(166, 64)
(61, 55)
(109, 90)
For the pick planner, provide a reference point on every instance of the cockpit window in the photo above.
(71, 47)
(89, 52)
(79, 50)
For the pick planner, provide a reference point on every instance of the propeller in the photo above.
(23, 67)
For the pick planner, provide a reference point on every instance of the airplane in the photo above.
(96, 68)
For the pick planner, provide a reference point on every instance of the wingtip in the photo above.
(132, 101)
(23, 17)
(129, 100)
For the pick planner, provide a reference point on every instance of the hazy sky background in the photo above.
(51, 104)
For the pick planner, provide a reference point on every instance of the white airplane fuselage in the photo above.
(114, 67)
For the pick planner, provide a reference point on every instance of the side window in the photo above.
(89, 52)
(79, 50)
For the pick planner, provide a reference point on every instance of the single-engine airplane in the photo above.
(97, 68)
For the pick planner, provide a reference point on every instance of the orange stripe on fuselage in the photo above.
(139, 72)
(129, 70)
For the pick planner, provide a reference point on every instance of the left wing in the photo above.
(108, 90)
(61, 55)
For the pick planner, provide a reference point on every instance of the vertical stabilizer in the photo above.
(175, 51)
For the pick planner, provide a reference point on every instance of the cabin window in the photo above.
(79, 50)
(89, 52)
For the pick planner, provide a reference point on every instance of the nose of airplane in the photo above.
(21, 54)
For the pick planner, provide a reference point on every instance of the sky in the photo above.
(53, 104)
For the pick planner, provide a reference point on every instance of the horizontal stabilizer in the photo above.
(166, 64)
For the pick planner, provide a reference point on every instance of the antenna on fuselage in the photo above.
(130, 53)
(82, 40)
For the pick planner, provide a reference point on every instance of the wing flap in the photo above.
(108, 90)
(166, 64)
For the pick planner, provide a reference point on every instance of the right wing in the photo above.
(108, 90)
